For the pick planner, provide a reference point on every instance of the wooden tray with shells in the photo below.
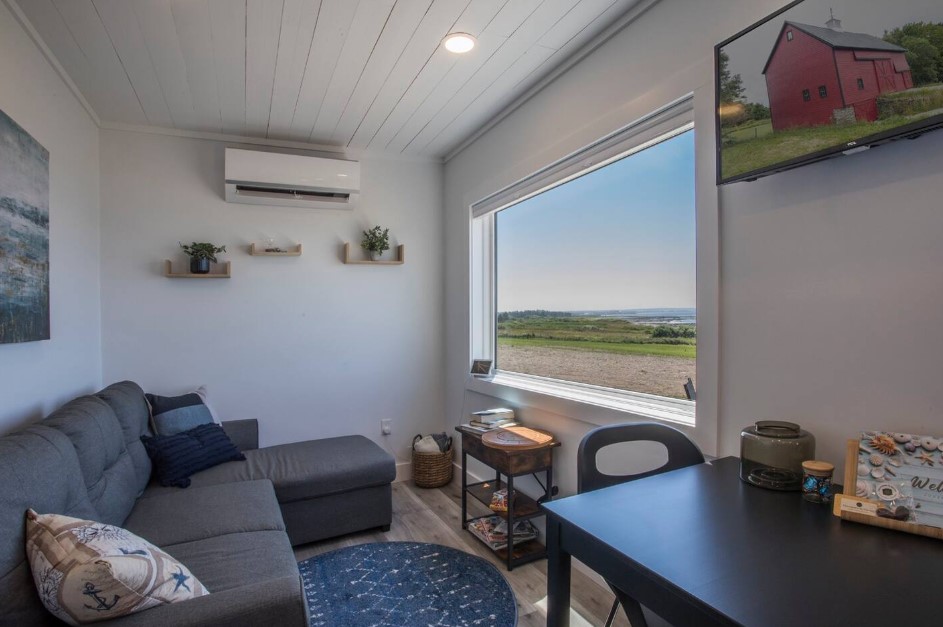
(895, 481)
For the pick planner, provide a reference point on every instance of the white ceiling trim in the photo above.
(351, 153)
(51, 58)
(608, 33)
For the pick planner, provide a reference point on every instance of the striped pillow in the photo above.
(177, 457)
(175, 414)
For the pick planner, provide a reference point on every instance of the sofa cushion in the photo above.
(304, 470)
(126, 399)
(176, 457)
(273, 602)
(107, 468)
(86, 571)
(38, 469)
(238, 559)
(200, 513)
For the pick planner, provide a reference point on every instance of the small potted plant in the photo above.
(376, 241)
(201, 254)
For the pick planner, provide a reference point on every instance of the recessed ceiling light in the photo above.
(459, 43)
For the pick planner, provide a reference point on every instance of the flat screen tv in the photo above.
(821, 78)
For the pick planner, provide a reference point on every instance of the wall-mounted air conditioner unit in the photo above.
(268, 178)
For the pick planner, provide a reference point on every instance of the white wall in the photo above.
(309, 346)
(830, 291)
(36, 377)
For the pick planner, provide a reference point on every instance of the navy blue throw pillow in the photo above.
(176, 457)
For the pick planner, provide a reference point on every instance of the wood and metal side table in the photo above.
(509, 463)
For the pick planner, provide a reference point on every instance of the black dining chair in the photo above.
(682, 453)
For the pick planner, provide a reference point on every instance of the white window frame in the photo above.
(554, 394)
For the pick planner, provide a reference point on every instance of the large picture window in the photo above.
(594, 277)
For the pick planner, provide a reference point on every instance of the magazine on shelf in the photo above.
(491, 416)
(493, 531)
(477, 428)
(472, 427)
(494, 411)
(493, 425)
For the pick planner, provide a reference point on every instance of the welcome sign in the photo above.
(908, 467)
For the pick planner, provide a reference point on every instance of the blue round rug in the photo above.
(405, 584)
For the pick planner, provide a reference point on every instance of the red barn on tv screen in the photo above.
(822, 75)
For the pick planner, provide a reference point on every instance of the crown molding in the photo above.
(50, 57)
(324, 149)
(221, 137)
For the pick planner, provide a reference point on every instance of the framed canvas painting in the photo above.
(24, 235)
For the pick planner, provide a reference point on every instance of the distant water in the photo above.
(646, 316)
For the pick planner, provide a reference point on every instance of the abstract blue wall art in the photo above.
(24, 235)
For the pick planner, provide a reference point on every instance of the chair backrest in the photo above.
(682, 452)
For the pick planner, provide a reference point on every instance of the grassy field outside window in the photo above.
(595, 277)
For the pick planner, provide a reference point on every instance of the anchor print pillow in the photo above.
(87, 571)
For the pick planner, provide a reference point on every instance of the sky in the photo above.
(748, 55)
(621, 237)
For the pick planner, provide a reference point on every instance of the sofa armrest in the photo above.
(273, 602)
(243, 433)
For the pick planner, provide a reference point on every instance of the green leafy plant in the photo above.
(376, 240)
(202, 250)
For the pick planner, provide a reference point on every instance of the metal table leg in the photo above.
(464, 490)
(510, 523)
(558, 577)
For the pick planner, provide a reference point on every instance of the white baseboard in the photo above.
(404, 472)
(457, 473)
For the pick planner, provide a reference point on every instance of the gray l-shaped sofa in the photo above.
(234, 527)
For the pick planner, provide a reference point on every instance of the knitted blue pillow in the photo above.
(177, 457)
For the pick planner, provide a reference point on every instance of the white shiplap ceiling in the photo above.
(360, 74)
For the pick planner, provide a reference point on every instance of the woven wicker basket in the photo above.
(432, 470)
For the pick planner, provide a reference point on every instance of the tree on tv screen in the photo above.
(924, 44)
(734, 111)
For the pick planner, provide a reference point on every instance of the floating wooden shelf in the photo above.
(400, 257)
(260, 252)
(225, 274)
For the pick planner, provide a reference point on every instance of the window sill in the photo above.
(588, 403)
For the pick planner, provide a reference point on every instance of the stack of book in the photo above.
(489, 419)
(493, 531)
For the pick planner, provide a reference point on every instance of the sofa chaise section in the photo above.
(325, 488)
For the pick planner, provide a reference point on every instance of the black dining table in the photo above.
(697, 546)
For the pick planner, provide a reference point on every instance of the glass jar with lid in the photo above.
(772, 452)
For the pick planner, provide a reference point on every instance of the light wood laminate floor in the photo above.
(433, 516)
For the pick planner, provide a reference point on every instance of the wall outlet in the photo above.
(386, 426)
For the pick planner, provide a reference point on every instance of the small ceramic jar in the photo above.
(817, 481)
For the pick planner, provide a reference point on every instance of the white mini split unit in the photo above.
(268, 178)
